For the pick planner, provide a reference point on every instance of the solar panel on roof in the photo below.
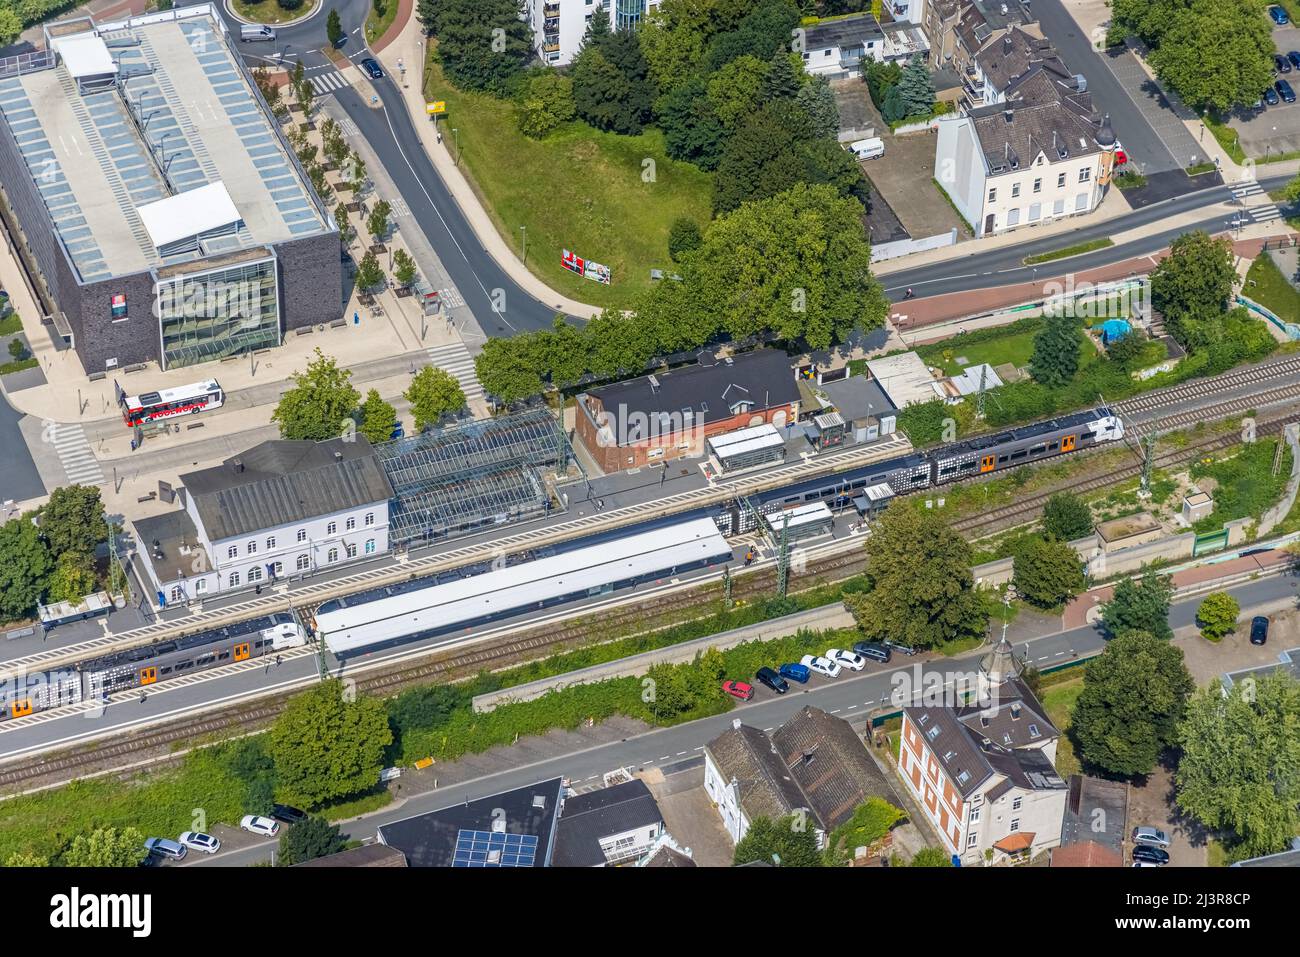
(493, 849)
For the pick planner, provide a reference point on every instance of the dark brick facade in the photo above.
(311, 280)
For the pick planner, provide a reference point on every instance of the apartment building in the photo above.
(559, 25)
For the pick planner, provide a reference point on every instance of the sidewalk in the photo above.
(408, 47)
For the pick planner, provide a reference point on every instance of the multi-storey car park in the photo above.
(157, 208)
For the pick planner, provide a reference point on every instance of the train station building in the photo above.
(159, 212)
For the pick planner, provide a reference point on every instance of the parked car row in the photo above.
(1149, 845)
(167, 849)
(828, 665)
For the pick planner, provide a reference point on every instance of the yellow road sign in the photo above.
(433, 109)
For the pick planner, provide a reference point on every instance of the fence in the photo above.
(905, 247)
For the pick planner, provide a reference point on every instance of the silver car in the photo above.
(198, 841)
(163, 847)
(1150, 836)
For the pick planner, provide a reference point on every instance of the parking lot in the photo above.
(1275, 129)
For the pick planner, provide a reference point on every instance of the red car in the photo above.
(738, 689)
(1120, 157)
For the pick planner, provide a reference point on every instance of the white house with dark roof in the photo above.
(280, 510)
(984, 772)
(608, 827)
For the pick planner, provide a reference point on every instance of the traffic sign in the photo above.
(436, 108)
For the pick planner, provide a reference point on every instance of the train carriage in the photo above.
(1031, 443)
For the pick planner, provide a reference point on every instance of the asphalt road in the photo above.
(851, 695)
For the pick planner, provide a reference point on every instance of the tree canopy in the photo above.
(25, 564)
(106, 847)
(1055, 359)
(1217, 615)
(320, 404)
(1191, 286)
(376, 418)
(1067, 517)
(1134, 694)
(790, 841)
(1048, 573)
(308, 840)
(434, 393)
(1140, 604)
(483, 44)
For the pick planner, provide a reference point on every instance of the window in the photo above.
(1060, 181)
(1013, 217)
(1038, 186)
(351, 524)
(201, 586)
(352, 550)
(933, 732)
(177, 593)
(975, 815)
(1033, 729)
(370, 519)
(1015, 190)
(972, 840)
(370, 546)
(1015, 805)
(232, 551)
(234, 579)
(255, 574)
(270, 543)
(302, 534)
(1015, 824)
(252, 547)
(303, 563)
(331, 528)
(333, 555)
(277, 569)
(993, 195)
(1085, 175)
(1058, 207)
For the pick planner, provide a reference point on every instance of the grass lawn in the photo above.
(380, 18)
(1226, 136)
(1059, 701)
(29, 363)
(584, 191)
(270, 11)
(1247, 486)
(1268, 287)
(10, 324)
(1075, 250)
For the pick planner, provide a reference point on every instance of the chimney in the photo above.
(238, 465)
(1015, 711)
(735, 723)
(338, 456)
(1006, 41)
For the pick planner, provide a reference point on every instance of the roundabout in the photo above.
(270, 12)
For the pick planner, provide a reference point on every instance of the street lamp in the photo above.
(524, 230)
(456, 135)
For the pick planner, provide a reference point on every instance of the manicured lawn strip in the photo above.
(10, 324)
(29, 363)
(608, 198)
(380, 18)
(1015, 344)
(1267, 286)
(1059, 700)
(269, 11)
(1075, 250)
(1226, 136)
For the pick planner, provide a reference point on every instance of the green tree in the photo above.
(17, 351)
(870, 822)
(761, 158)
(672, 40)
(369, 273)
(327, 747)
(683, 237)
(308, 840)
(1217, 615)
(376, 418)
(25, 564)
(1055, 359)
(1140, 604)
(106, 847)
(346, 232)
(1048, 573)
(788, 842)
(424, 707)
(796, 265)
(692, 130)
(11, 25)
(320, 404)
(483, 45)
(298, 79)
(605, 97)
(433, 393)
(671, 692)
(1067, 517)
(426, 11)
(1240, 764)
(73, 578)
(735, 90)
(1134, 694)
(783, 79)
(598, 30)
(931, 857)
(378, 220)
(915, 89)
(1215, 55)
(760, 32)
(22, 859)
(1193, 283)
(403, 268)
(357, 178)
(818, 101)
(1128, 349)
(73, 520)
(922, 592)
(545, 103)
(508, 371)
(333, 28)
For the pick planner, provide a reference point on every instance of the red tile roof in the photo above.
(1012, 843)
(1086, 854)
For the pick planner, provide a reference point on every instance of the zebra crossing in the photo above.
(328, 83)
(73, 450)
(455, 358)
(1242, 192)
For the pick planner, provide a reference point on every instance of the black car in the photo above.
(1258, 630)
(1154, 855)
(1270, 96)
(773, 680)
(372, 68)
(1281, 64)
(873, 650)
(1284, 90)
(1294, 57)
(287, 814)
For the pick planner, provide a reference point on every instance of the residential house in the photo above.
(559, 25)
(280, 510)
(611, 826)
(984, 771)
(835, 47)
(657, 418)
(367, 855)
(960, 29)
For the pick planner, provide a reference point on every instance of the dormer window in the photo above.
(738, 408)
(933, 732)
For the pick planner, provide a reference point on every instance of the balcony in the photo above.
(551, 46)
(551, 10)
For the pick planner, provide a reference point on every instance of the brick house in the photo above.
(984, 772)
(670, 415)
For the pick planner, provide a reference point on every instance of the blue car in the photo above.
(1270, 96)
(1281, 64)
(1279, 15)
(1294, 57)
(797, 673)
(1284, 90)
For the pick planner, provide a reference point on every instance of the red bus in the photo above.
(164, 404)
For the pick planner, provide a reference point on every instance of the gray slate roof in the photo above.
(588, 818)
(1011, 55)
(1043, 113)
(279, 482)
(767, 788)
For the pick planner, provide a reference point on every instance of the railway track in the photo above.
(1198, 388)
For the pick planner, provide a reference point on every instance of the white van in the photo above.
(872, 148)
(250, 32)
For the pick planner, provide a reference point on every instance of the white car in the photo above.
(847, 659)
(256, 824)
(823, 666)
(198, 841)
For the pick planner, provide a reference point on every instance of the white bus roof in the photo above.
(174, 395)
(520, 586)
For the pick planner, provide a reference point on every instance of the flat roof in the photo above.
(745, 441)
(191, 213)
(183, 115)
(904, 378)
(799, 516)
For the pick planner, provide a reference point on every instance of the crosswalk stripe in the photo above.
(455, 359)
(328, 82)
(76, 457)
